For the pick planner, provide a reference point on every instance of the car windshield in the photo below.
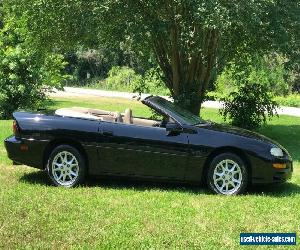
(185, 116)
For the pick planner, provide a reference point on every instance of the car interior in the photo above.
(109, 116)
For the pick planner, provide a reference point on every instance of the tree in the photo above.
(25, 76)
(188, 37)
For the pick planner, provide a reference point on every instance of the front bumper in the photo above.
(25, 151)
(282, 175)
(263, 172)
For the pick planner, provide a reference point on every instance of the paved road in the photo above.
(70, 91)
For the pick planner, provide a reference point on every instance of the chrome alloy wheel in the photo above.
(227, 177)
(65, 168)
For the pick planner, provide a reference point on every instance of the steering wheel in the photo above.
(163, 123)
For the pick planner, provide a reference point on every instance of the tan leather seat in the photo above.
(118, 117)
(128, 116)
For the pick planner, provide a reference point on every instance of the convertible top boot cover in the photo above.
(69, 112)
(87, 113)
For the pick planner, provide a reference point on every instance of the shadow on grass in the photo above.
(38, 177)
(279, 190)
(41, 178)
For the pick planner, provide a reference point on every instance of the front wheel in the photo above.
(227, 174)
(66, 166)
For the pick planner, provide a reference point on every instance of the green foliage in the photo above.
(24, 84)
(246, 25)
(292, 100)
(151, 83)
(84, 64)
(124, 77)
(214, 96)
(93, 62)
(25, 77)
(186, 37)
(267, 70)
(294, 76)
(249, 106)
(17, 85)
(52, 71)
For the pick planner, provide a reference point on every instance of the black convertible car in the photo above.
(76, 142)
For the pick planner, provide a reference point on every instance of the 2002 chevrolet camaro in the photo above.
(76, 142)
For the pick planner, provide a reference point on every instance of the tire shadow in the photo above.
(36, 178)
(41, 178)
(278, 190)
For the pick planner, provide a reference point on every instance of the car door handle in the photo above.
(107, 133)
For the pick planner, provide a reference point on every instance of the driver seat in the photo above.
(128, 118)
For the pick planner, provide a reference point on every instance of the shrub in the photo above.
(126, 79)
(151, 83)
(27, 74)
(268, 70)
(24, 83)
(91, 61)
(249, 106)
(292, 100)
(123, 78)
(213, 96)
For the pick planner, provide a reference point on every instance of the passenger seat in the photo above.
(128, 116)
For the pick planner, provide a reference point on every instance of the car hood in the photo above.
(241, 132)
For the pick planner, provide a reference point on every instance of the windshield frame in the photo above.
(172, 110)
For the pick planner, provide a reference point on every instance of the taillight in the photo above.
(15, 128)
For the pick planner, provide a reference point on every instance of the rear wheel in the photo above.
(66, 166)
(227, 174)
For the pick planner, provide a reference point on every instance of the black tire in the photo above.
(67, 171)
(235, 181)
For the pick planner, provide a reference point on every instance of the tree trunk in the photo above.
(187, 75)
(195, 82)
(175, 61)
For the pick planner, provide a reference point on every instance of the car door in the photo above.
(127, 149)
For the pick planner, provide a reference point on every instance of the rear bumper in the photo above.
(25, 151)
(12, 146)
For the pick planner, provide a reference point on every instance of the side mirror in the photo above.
(173, 129)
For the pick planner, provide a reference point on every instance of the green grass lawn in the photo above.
(133, 215)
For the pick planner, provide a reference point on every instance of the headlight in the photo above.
(276, 152)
